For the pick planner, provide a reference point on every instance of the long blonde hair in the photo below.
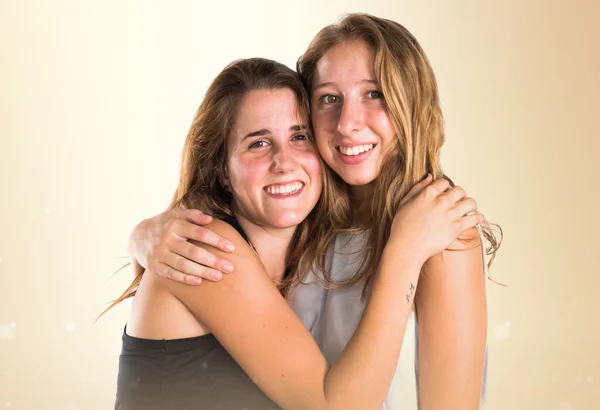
(204, 155)
(411, 96)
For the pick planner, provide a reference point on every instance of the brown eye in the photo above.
(258, 144)
(329, 99)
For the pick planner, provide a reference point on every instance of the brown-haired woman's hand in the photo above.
(161, 244)
(431, 217)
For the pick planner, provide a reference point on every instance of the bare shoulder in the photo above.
(469, 239)
(226, 230)
(243, 251)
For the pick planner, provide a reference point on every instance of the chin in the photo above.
(288, 219)
(358, 178)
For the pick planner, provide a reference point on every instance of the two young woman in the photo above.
(384, 209)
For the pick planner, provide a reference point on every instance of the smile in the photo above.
(356, 150)
(285, 189)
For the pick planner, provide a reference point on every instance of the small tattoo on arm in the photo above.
(411, 291)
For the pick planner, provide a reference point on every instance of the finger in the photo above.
(469, 221)
(465, 206)
(455, 194)
(173, 274)
(196, 216)
(201, 256)
(175, 228)
(416, 189)
(437, 187)
(442, 184)
(206, 236)
(187, 267)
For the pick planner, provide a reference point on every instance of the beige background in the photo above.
(96, 99)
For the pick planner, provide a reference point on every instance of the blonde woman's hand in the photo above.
(432, 216)
(161, 245)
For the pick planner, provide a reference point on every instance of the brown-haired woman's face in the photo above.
(274, 172)
(351, 124)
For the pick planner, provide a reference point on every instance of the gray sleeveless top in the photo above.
(333, 315)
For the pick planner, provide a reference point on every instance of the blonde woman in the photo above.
(379, 128)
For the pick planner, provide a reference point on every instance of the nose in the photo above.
(351, 118)
(284, 160)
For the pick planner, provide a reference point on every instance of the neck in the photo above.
(360, 196)
(271, 245)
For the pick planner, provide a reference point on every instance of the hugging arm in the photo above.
(251, 319)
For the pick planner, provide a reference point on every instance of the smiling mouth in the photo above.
(356, 150)
(284, 189)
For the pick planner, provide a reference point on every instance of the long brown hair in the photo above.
(411, 96)
(204, 155)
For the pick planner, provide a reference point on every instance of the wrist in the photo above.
(404, 253)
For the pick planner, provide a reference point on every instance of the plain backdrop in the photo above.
(96, 99)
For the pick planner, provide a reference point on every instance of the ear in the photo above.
(222, 178)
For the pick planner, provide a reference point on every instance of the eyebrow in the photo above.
(332, 84)
(265, 131)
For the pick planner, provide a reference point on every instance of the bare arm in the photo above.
(248, 315)
(452, 322)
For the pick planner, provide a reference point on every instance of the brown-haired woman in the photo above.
(379, 128)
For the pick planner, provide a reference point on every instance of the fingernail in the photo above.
(196, 280)
(230, 247)
(217, 275)
(228, 267)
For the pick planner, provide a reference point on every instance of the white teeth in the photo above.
(359, 149)
(285, 189)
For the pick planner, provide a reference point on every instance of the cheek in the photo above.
(244, 174)
(322, 135)
(382, 125)
(312, 165)
(324, 124)
(323, 145)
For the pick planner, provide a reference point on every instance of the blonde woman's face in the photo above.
(274, 173)
(351, 124)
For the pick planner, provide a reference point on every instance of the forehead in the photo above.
(267, 109)
(345, 61)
